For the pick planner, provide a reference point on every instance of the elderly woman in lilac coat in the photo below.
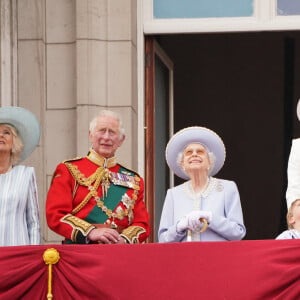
(204, 208)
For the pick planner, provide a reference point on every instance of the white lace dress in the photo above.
(19, 211)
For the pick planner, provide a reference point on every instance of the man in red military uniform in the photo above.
(94, 199)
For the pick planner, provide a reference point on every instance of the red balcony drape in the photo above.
(263, 269)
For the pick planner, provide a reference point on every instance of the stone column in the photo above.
(8, 53)
(106, 71)
(31, 79)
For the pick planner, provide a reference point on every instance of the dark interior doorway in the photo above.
(244, 86)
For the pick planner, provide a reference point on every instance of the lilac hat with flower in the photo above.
(195, 134)
(26, 124)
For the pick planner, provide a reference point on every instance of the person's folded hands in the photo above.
(194, 218)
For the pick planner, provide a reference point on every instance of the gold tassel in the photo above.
(51, 257)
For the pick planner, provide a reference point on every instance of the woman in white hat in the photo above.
(203, 208)
(19, 211)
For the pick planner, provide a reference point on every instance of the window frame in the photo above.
(263, 19)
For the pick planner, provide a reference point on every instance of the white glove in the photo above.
(192, 220)
(195, 216)
(182, 224)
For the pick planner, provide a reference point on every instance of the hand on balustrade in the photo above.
(105, 236)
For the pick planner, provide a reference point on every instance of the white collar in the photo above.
(212, 183)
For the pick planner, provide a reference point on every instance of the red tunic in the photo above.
(73, 180)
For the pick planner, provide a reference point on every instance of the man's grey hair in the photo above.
(109, 113)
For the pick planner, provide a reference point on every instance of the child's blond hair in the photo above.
(290, 214)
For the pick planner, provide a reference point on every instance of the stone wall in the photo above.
(72, 59)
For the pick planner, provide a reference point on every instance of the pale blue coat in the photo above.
(221, 197)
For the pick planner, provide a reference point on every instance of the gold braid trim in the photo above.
(80, 178)
(131, 234)
(78, 225)
(96, 177)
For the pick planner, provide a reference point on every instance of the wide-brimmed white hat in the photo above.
(195, 134)
(26, 124)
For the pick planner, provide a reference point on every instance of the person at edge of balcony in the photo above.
(94, 199)
(19, 208)
(293, 169)
(203, 208)
(293, 222)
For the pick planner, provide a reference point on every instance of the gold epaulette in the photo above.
(65, 162)
(72, 159)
